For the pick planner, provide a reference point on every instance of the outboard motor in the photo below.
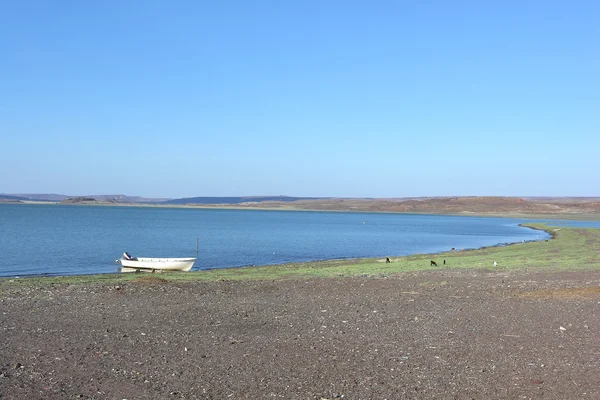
(127, 256)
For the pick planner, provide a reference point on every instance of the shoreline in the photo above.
(306, 268)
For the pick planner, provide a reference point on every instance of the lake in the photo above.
(74, 240)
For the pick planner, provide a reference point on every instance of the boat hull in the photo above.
(156, 264)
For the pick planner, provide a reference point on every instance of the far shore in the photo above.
(515, 215)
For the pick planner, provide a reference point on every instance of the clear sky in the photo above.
(301, 98)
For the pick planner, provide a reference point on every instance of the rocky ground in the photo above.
(468, 334)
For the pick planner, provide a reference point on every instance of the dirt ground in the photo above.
(469, 334)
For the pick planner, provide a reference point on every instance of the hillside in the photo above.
(457, 205)
(239, 200)
(445, 205)
(53, 197)
(5, 198)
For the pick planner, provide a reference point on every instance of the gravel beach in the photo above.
(446, 334)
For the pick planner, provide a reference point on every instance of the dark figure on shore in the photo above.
(433, 263)
(387, 259)
(444, 262)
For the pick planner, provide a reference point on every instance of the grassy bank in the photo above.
(569, 249)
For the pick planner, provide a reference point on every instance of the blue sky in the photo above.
(302, 98)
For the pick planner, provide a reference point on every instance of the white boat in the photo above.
(148, 264)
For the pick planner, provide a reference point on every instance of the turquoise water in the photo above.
(73, 240)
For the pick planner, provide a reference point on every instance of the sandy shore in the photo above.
(446, 334)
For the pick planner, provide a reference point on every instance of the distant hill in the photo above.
(114, 198)
(10, 198)
(237, 200)
(121, 198)
(42, 196)
(448, 205)
(79, 200)
(457, 205)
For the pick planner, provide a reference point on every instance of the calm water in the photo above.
(67, 240)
